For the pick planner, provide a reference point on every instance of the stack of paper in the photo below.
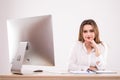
(105, 72)
(82, 72)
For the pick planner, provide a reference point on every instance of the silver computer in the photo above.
(31, 42)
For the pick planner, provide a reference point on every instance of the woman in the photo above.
(89, 52)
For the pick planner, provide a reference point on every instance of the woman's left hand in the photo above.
(93, 44)
(92, 68)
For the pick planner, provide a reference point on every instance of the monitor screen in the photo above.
(37, 32)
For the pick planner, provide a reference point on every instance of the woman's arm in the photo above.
(72, 66)
(101, 59)
(95, 46)
(74, 62)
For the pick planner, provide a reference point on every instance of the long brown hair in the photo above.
(95, 28)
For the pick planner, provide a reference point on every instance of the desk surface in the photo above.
(60, 76)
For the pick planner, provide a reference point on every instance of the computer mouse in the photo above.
(38, 71)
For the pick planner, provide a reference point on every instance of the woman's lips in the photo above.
(88, 37)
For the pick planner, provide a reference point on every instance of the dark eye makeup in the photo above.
(85, 31)
(91, 30)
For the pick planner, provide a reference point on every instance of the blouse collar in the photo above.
(86, 49)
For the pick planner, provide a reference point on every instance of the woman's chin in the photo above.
(88, 40)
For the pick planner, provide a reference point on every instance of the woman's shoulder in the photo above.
(103, 45)
(78, 43)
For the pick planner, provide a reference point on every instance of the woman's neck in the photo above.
(88, 47)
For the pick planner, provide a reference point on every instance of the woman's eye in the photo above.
(91, 30)
(85, 31)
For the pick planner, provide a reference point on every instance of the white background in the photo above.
(67, 16)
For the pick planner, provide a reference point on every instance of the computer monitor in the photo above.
(31, 41)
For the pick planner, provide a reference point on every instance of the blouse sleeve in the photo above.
(102, 58)
(73, 65)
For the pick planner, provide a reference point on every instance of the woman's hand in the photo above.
(92, 68)
(94, 45)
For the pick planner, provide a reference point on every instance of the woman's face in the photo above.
(88, 33)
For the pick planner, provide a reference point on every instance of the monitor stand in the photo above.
(18, 59)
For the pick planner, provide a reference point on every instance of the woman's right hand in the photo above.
(92, 68)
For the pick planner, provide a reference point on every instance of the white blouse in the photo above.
(80, 60)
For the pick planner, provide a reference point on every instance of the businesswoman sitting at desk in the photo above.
(88, 52)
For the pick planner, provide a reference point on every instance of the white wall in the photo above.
(67, 16)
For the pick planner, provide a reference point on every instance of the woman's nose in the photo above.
(88, 33)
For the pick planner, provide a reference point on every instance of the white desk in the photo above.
(60, 76)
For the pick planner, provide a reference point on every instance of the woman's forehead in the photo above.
(87, 27)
